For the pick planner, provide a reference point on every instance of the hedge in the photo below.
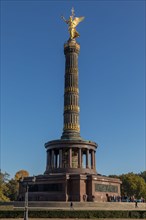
(74, 214)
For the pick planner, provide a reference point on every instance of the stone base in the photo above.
(70, 187)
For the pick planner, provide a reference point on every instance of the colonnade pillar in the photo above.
(79, 158)
(52, 159)
(55, 159)
(60, 158)
(92, 160)
(70, 157)
(87, 158)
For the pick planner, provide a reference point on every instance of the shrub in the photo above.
(88, 214)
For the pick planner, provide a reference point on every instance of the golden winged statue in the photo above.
(72, 23)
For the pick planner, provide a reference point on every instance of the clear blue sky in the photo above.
(111, 82)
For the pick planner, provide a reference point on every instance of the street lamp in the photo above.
(26, 196)
(26, 203)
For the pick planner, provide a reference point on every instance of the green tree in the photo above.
(3, 187)
(133, 185)
(143, 175)
(12, 189)
(9, 189)
(13, 185)
(114, 176)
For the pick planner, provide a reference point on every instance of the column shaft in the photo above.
(79, 158)
(71, 92)
(87, 158)
(60, 158)
(48, 159)
(92, 160)
(52, 159)
(70, 157)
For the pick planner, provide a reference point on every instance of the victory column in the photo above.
(70, 173)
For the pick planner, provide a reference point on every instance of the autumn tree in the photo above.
(21, 174)
(13, 185)
(9, 188)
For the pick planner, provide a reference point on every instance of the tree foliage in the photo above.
(9, 188)
(143, 175)
(13, 189)
(20, 174)
(3, 188)
(133, 184)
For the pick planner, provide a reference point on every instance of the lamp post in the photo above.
(26, 203)
(26, 197)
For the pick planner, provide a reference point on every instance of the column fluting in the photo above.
(71, 92)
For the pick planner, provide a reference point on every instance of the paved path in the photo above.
(84, 208)
(68, 219)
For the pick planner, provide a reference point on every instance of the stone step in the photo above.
(83, 205)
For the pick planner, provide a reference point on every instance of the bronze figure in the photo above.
(72, 23)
